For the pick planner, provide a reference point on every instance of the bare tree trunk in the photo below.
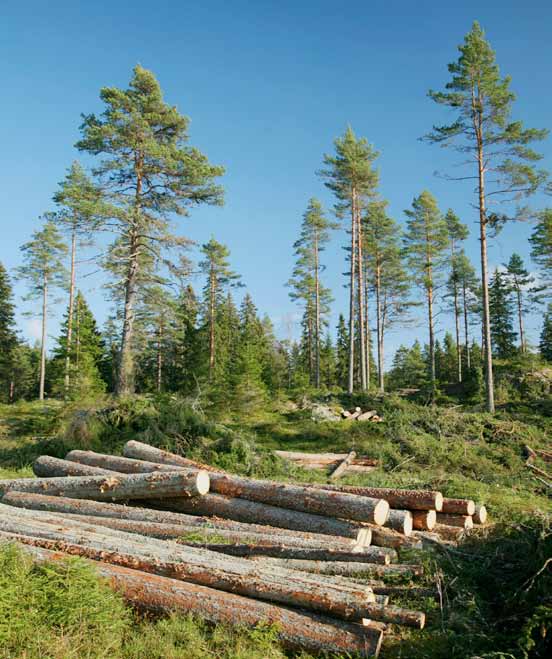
(379, 326)
(361, 320)
(212, 299)
(310, 341)
(159, 356)
(70, 313)
(433, 373)
(466, 325)
(43, 338)
(317, 312)
(520, 318)
(367, 321)
(457, 326)
(351, 377)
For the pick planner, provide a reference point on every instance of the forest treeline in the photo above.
(163, 335)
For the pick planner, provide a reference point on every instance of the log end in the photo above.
(202, 482)
(480, 515)
(364, 538)
(431, 519)
(408, 524)
(438, 501)
(381, 512)
(470, 507)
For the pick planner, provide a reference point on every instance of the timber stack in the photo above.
(172, 534)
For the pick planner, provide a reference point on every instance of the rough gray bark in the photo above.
(350, 569)
(48, 467)
(115, 486)
(297, 630)
(458, 506)
(400, 499)
(400, 520)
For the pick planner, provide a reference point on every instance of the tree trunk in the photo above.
(70, 311)
(352, 281)
(520, 319)
(400, 520)
(159, 375)
(115, 486)
(313, 633)
(212, 300)
(458, 506)
(457, 327)
(361, 319)
(48, 467)
(317, 311)
(43, 338)
(400, 499)
(145, 452)
(466, 325)
(342, 466)
(379, 326)
(433, 373)
(367, 325)
(346, 569)
(463, 521)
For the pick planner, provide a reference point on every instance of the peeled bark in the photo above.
(457, 506)
(345, 569)
(48, 467)
(463, 521)
(480, 515)
(424, 520)
(400, 520)
(342, 467)
(296, 630)
(260, 513)
(115, 486)
(295, 497)
(400, 499)
(84, 507)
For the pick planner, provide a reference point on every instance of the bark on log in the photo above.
(480, 515)
(295, 497)
(346, 569)
(384, 537)
(145, 452)
(453, 533)
(46, 467)
(116, 486)
(400, 520)
(328, 458)
(342, 467)
(195, 565)
(250, 511)
(296, 630)
(463, 521)
(424, 520)
(84, 507)
(118, 463)
(458, 506)
(399, 499)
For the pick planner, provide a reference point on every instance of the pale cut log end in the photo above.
(381, 512)
(480, 515)
(364, 538)
(468, 524)
(438, 501)
(202, 482)
(431, 519)
(470, 507)
(408, 524)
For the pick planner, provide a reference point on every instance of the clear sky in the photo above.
(268, 86)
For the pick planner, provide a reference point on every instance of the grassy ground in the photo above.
(495, 591)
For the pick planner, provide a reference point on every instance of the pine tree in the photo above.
(388, 278)
(350, 175)
(526, 293)
(482, 101)
(457, 232)
(545, 343)
(216, 269)
(79, 216)
(8, 338)
(503, 336)
(43, 270)
(425, 242)
(541, 246)
(149, 172)
(305, 281)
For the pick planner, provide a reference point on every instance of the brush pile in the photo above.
(172, 534)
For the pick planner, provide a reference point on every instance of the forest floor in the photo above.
(494, 591)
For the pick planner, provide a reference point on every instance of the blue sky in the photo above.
(268, 86)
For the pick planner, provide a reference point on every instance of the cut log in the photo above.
(249, 511)
(400, 520)
(453, 533)
(346, 569)
(296, 630)
(399, 499)
(84, 507)
(295, 497)
(345, 414)
(366, 416)
(342, 467)
(463, 521)
(458, 506)
(326, 458)
(141, 451)
(190, 564)
(424, 520)
(480, 515)
(46, 466)
(117, 463)
(116, 486)
(384, 537)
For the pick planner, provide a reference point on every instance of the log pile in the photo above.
(336, 464)
(173, 534)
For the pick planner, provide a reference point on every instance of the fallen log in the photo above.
(384, 537)
(296, 630)
(400, 520)
(463, 521)
(424, 520)
(342, 467)
(190, 564)
(115, 486)
(84, 507)
(295, 497)
(447, 532)
(399, 499)
(145, 452)
(346, 569)
(458, 506)
(118, 463)
(480, 515)
(46, 466)
(243, 510)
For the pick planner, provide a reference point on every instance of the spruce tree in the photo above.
(148, 172)
(541, 247)
(526, 293)
(8, 338)
(43, 270)
(409, 369)
(425, 242)
(503, 336)
(545, 343)
(350, 175)
(342, 353)
(496, 145)
(464, 279)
